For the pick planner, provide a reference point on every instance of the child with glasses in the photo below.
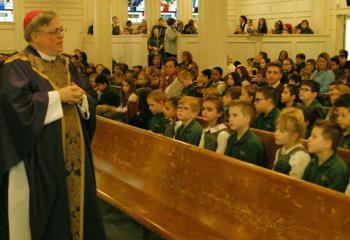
(265, 105)
(308, 93)
(190, 130)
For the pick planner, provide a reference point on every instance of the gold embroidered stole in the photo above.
(57, 73)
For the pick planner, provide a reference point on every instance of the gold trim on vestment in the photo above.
(72, 137)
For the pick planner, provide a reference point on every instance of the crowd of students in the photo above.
(309, 99)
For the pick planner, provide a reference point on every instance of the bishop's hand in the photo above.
(71, 94)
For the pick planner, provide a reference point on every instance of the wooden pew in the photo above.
(270, 146)
(182, 192)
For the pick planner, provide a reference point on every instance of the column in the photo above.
(184, 9)
(103, 33)
(212, 34)
(152, 12)
(320, 12)
(120, 10)
(19, 12)
(90, 14)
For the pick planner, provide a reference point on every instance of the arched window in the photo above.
(6, 11)
(136, 10)
(168, 9)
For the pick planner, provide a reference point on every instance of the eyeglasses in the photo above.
(305, 90)
(258, 99)
(181, 107)
(57, 31)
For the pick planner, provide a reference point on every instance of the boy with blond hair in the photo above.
(190, 130)
(156, 102)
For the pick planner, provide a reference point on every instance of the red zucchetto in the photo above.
(29, 17)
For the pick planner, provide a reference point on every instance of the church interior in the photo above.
(208, 113)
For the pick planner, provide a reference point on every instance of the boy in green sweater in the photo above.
(343, 106)
(190, 130)
(265, 105)
(243, 144)
(326, 168)
(156, 101)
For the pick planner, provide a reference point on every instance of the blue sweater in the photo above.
(324, 78)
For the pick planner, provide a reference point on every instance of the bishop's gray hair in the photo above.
(43, 19)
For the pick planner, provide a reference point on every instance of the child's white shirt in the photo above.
(222, 137)
(298, 161)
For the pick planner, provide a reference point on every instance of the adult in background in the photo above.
(115, 26)
(170, 40)
(47, 182)
(323, 75)
(155, 44)
(305, 27)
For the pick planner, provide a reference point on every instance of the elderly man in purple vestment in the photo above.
(47, 118)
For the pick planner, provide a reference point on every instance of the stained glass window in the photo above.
(136, 10)
(168, 9)
(6, 11)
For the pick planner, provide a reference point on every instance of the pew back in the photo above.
(192, 193)
(271, 148)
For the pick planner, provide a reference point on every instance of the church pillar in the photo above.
(184, 9)
(320, 11)
(120, 10)
(103, 33)
(152, 12)
(20, 12)
(212, 34)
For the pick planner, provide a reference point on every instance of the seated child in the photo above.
(291, 158)
(216, 80)
(170, 112)
(294, 79)
(108, 98)
(336, 89)
(232, 93)
(343, 119)
(289, 95)
(248, 93)
(215, 136)
(156, 101)
(265, 105)
(190, 130)
(326, 168)
(155, 80)
(202, 82)
(231, 79)
(142, 81)
(308, 93)
(211, 91)
(187, 80)
(311, 115)
(129, 106)
(243, 144)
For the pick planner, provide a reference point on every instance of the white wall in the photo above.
(288, 11)
(132, 49)
(71, 12)
(76, 15)
(338, 11)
